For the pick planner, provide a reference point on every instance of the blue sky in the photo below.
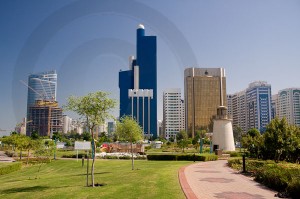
(88, 41)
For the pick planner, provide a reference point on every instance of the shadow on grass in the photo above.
(84, 174)
(24, 189)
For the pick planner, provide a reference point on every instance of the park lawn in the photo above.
(5, 164)
(67, 179)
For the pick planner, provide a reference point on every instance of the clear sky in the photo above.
(88, 41)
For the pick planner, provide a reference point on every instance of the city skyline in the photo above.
(252, 40)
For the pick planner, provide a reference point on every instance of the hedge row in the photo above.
(284, 178)
(10, 168)
(183, 157)
(80, 155)
(281, 179)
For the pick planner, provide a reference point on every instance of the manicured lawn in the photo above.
(5, 164)
(67, 179)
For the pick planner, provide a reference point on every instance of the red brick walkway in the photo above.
(206, 180)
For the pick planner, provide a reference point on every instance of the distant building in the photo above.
(289, 105)
(21, 127)
(205, 91)
(138, 85)
(160, 128)
(229, 106)
(274, 106)
(67, 124)
(258, 105)
(45, 118)
(77, 126)
(173, 113)
(111, 128)
(239, 110)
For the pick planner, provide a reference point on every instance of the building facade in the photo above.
(173, 113)
(289, 105)
(274, 106)
(41, 86)
(67, 124)
(138, 85)
(229, 106)
(258, 105)
(205, 91)
(45, 118)
(239, 110)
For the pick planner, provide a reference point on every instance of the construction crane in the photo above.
(42, 96)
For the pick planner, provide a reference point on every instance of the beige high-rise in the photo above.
(203, 95)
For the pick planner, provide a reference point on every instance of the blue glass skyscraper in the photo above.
(142, 79)
(258, 105)
(41, 86)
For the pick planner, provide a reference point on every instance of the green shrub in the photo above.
(33, 161)
(294, 188)
(183, 157)
(280, 177)
(10, 168)
(80, 155)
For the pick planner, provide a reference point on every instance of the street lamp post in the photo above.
(201, 145)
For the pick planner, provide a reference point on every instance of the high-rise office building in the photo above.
(41, 86)
(67, 124)
(274, 106)
(45, 118)
(229, 106)
(258, 105)
(289, 105)
(173, 113)
(111, 128)
(138, 85)
(205, 91)
(239, 110)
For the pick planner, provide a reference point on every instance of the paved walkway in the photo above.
(214, 179)
(5, 158)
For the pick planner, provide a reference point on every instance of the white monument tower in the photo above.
(222, 129)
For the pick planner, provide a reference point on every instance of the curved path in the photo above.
(5, 158)
(214, 179)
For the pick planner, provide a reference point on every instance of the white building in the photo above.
(238, 103)
(67, 124)
(274, 105)
(173, 113)
(289, 105)
(229, 105)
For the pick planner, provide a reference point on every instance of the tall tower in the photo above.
(258, 105)
(138, 85)
(205, 91)
(289, 105)
(41, 86)
(173, 111)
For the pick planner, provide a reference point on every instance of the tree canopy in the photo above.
(129, 130)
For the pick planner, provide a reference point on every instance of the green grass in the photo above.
(67, 179)
(5, 164)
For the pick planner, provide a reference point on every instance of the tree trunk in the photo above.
(132, 163)
(27, 157)
(93, 168)
(93, 163)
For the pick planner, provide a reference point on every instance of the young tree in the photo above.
(182, 139)
(253, 142)
(275, 138)
(129, 130)
(95, 108)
